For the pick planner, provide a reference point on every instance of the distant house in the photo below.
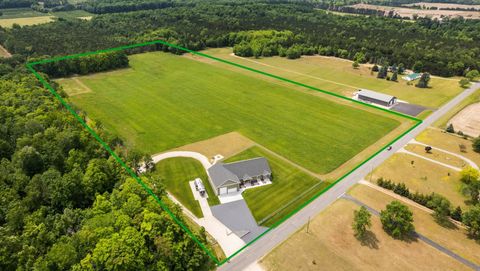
(412, 76)
(376, 97)
(230, 177)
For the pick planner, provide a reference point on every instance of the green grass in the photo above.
(165, 101)
(12, 13)
(337, 75)
(175, 174)
(288, 183)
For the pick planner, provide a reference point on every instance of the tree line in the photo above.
(444, 48)
(85, 64)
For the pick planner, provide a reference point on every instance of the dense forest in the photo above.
(444, 48)
(66, 204)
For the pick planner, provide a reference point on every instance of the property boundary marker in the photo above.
(30, 66)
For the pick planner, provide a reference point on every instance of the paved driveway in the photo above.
(409, 109)
(237, 217)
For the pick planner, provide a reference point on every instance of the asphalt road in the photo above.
(276, 236)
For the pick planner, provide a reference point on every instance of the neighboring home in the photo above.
(230, 177)
(412, 76)
(376, 97)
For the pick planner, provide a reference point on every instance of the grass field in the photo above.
(287, 184)
(454, 238)
(449, 142)
(437, 155)
(6, 23)
(12, 13)
(165, 101)
(423, 176)
(330, 245)
(175, 174)
(337, 75)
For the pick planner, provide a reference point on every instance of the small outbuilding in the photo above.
(412, 76)
(230, 177)
(376, 97)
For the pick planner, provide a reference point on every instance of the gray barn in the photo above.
(376, 97)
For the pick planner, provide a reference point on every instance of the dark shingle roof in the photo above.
(220, 173)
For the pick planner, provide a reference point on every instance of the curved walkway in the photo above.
(195, 155)
(472, 164)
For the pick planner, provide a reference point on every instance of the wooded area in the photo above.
(445, 48)
(66, 204)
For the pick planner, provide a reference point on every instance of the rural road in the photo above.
(276, 236)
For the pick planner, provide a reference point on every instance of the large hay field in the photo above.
(165, 101)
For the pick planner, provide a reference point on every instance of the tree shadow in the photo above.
(369, 240)
(446, 223)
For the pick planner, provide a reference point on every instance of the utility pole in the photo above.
(308, 224)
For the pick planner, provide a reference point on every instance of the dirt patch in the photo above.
(443, 6)
(226, 145)
(73, 86)
(410, 12)
(4, 53)
(468, 120)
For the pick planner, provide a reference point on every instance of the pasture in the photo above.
(165, 101)
(330, 244)
(337, 75)
(175, 173)
(289, 185)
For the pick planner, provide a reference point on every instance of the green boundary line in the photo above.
(30, 66)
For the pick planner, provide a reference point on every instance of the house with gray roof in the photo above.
(230, 177)
(370, 96)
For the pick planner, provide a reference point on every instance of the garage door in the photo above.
(223, 190)
(232, 190)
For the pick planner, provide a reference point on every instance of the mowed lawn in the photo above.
(337, 75)
(330, 244)
(284, 194)
(165, 101)
(175, 174)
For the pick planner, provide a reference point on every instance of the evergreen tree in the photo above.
(450, 128)
(423, 82)
(394, 77)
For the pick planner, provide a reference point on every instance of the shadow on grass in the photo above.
(369, 240)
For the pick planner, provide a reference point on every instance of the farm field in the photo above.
(453, 238)
(410, 12)
(11, 13)
(287, 184)
(337, 75)
(331, 245)
(175, 173)
(165, 101)
(423, 177)
(440, 139)
(26, 21)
